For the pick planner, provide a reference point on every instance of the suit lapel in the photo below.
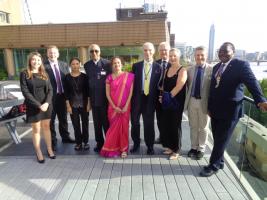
(51, 72)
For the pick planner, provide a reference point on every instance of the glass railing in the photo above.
(247, 150)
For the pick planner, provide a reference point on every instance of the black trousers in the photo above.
(171, 124)
(158, 116)
(78, 115)
(148, 122)
(59, 110)
(101, 124)
(222, 130)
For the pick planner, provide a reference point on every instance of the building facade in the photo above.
(123, 38)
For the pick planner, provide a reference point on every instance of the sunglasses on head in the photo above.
(94, 51)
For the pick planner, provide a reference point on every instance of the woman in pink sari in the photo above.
(119, 89)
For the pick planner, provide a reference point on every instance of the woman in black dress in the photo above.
(78, 105)
(37, 91)
(171, 119)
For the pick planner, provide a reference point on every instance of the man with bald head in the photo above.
(97, 70)
(145, 96)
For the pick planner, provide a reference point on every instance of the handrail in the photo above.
(250, 100)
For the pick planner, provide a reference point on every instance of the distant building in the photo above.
(182, 47)
(241, 54)
(264, 54)
(147, 12)
(211, 43)
(252, 57)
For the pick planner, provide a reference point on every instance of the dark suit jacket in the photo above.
(225, 102)
(97, 81)
(28, 90)
(137, 69)
(162, 70)
(63, 68)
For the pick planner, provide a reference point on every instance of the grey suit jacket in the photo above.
(205, 86)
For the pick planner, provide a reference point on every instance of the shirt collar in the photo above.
(227, 63)
(150, 62)
(52, 63)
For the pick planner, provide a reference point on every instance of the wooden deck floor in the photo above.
(88, 176)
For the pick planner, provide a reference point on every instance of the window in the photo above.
(130, 14)
(4, 18)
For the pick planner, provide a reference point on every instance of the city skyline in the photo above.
(241, 21)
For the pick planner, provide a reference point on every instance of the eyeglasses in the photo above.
(94, 51)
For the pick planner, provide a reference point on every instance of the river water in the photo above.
(259, 71)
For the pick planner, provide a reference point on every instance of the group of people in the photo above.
(209, 94)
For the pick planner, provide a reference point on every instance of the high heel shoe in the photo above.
(40, 161)
(51, 157)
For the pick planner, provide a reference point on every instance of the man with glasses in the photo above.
(97, 70)
(163, 49)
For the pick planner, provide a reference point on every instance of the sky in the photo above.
(242, 22)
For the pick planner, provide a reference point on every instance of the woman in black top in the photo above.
(37, 91)
(174, 83)
(78, 103)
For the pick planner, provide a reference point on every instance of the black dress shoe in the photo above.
(207, 171)
(86, 147)
(97, 149)
(68, 140)
(51, 157)
(199, 155)
(135, 148)
(192, 153)
(150, 151)
(157, 141)
(221, 166)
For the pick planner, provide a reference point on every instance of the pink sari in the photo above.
(117, 137)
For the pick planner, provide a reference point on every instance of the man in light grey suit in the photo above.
(196, 102)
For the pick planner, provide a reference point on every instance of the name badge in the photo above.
(103, 73)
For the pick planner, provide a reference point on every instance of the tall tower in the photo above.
(211, 43)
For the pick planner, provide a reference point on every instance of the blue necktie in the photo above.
(198, 83)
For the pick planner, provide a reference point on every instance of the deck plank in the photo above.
(170, 182)
(191, 179)
(81, 183)
(137, 180)
(126, 179)
(93, 181)
(115, 180)
(159, 184)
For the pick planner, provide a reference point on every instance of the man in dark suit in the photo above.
(163, 49)
(225, 101)
(97, 70)
(145, 96)
(56, 71)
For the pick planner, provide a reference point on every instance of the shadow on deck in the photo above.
(85, 175)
